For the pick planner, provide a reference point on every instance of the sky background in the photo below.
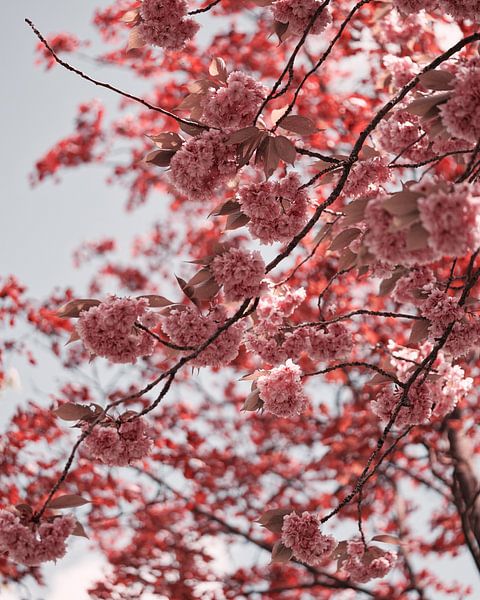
(40, 227)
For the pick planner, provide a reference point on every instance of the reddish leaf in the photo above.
(67, 501)
(167, 140)
(298, 124)
(135, 39)
(437, 80)
(344, 238)
(285, 149)
(160, 158)
(73, 308)
(218, 69)
(419, 331)
(242, 135)
(72, 412)
(280, 553)
(155, 301)
(80, 530)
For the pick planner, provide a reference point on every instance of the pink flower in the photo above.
(108, 330)
(32, 544)
(333, 342)
(412, 6)
(202, 165)
(234, 105)
(164, 23)
(366, 177)
(387, 243)
(362, 565)
(420, 400)
(408, 288)
(120, 443)
(187, 326)
(400, 29)
(462, 9)
(401, 69)
(454, 387)
(302, 534)
(282, 392)
(279, 304)
(461, 113)
(239, 272)
(451, 217)
(275, 345)
(270, 338)
(402, 133)
(463, 339)
(299, 13)
(277, 209)
(441, 310)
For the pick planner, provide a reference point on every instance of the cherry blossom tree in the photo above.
(292, 351)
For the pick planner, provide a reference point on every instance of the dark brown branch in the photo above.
(322, 59)
(359, 145)
(205, 8)
(112, 88)
(364, 365)
(291, 61)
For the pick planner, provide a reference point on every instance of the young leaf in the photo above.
(72, 412)
(285, 149)
(80, 530)
(73, 308)
(419, 331)
(218, 69)
(67, 501)
(280, 553)
(344, 238)
(298, 124)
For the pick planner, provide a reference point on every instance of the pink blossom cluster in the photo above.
(108, 329)
(273, 343)
(464, 338)
(165, 23)
(413, 6)
(454, 387)
(236, 104)
(329, 343)
(401, 69)
(240, 272)
(402, 134)
(408, 288)
(364, 564)
(282, 392)
(119, 443)
(403, 358)
(387, 243)
(202, 165)
(303, 535)
(452, 218)
(299, 13)
(441, 310)
(462, 9)
(366, 176)
(277, 209)
(30, 543)
(418, 408)
(186, 326)
(396, 29)
(279, 303)
(436, 397)
(461, 113)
